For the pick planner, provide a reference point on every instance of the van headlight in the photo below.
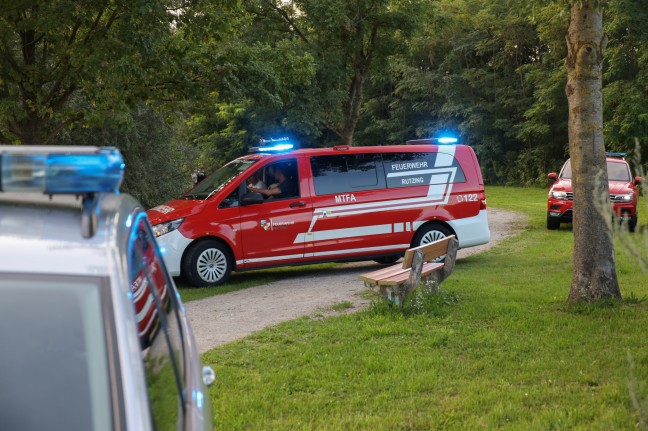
(170, 226)
(559, 195)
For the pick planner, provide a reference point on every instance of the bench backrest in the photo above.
(431, 251)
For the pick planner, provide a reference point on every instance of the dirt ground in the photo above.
(224, 318)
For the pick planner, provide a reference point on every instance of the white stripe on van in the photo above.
(438, 194)
(270, 259)
(352, 232)
(395, 248)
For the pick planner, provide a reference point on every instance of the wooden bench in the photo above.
(397, 281)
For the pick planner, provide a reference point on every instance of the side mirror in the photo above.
(251, 198)
(208, 375)
(638, 180)
(552, 176)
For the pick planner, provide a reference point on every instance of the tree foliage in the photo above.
(222, 74)
(104, 53)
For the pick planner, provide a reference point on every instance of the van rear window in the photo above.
(359, 172)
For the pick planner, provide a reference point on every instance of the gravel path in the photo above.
(223, 318)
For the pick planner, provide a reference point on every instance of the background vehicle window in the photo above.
(566, 170)
(54, 372)
(418, 169)
(347, 173)
(159, 328)
(618, 171)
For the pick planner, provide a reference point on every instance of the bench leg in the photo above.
(431, 283)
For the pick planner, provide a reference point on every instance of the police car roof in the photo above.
(44, 237)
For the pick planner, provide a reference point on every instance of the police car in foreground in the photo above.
(93, 335)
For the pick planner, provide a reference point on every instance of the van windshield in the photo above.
(616, 171)
(219, 179)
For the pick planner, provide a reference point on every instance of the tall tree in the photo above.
(594, 272)
(349, 41)
(64, 62)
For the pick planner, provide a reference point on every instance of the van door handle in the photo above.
(297, 204)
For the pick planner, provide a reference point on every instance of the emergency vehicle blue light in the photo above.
(447, 140)
(274, 145)
(614, 154)
(74, 170)
(278, 147)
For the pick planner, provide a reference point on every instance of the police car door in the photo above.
(270, 230)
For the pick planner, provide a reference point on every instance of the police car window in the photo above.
(419, 169)
(346, 173)
(54, 362)
(158, 327)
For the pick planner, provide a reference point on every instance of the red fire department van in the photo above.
(331, 204)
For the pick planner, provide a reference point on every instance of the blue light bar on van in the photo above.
(56, 170)
(613, 154)
(275, 145)
(445, 140)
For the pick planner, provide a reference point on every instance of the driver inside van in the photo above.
(255, 181)
(282, 189)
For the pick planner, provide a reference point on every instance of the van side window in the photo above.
(347, 173)
(417, 169)
(230, 201)
(282, 175)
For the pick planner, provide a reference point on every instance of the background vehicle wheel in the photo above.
(386, 260)
(207, 263)
(552, 224)
(632, 224)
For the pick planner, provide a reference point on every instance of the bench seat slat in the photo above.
(390, 271)
(431, 251)
(398, 279)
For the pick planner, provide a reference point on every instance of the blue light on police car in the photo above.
(87, 170)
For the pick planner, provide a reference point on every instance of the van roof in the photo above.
(345, 149)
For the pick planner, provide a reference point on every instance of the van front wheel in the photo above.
(207, 263)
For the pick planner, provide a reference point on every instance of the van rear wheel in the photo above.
(430, 233)
(207, 263)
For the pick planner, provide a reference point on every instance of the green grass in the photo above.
(503, 351)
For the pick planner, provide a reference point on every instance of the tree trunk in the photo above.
(594, 273)
(351, 108)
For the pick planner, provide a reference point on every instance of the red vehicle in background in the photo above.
(623, 193)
